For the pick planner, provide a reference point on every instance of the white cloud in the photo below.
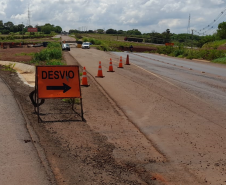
(145, 15)
(170, 23)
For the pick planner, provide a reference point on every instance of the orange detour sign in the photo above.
(58, 82)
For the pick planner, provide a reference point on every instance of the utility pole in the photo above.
(189, 22)
(188, 28)
(192, 39)
(22, 31)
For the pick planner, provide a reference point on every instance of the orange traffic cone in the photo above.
(110, 67)
(127, 60)
(120, 63)
(84, 78)
(100, 74)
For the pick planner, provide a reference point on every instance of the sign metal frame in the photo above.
(37, 98)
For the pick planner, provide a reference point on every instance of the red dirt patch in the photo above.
(222, 48)
(11, 54)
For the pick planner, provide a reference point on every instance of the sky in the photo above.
(144, 15)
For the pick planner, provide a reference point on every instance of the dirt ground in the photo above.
(15, 54)
(76, 152)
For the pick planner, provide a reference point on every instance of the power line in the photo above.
(211, 27)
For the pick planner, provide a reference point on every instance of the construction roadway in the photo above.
(181, 111)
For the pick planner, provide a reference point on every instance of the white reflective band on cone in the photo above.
(84, 75)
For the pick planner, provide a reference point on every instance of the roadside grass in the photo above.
(27, 39)
(72, 100)
(25, 54)
(54, 62)
(214, 44)
(9, 67)
(107, 42)
(107, 37)
(220, 60)
(182, 52)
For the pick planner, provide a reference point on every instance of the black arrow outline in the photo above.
(65, 87)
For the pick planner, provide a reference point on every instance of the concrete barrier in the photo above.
(25, 72)
(25, 68)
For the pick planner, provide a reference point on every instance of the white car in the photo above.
(66, 47)
(85, 45)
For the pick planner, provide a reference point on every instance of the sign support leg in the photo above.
(82, 110)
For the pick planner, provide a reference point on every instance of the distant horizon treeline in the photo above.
(9, 27)
(109, 31)
(164, 37)
(152, 37)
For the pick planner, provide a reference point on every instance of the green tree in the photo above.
(1, 25)
(100, 31)
(121, 32)
(221, 32)
(46, 29)
(58, 29)
(134, 32)
(39, 28)
(111, 31)
(8, 25)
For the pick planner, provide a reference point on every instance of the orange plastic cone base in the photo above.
(100, 74)
(84, 78)
(110, 67)
(127, 60)
(120, 63)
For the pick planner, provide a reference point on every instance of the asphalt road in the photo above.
(179, 105)
(164, 62)
(205, 80)
(19, 161)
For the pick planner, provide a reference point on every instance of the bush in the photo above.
(165, 50)
(53, 45)
(178, 52)
(103, 48)
(48, 54)
(85, 39)
(220, 60)
(53, 51)
(214, 54)
(95, 41)
(54, 62)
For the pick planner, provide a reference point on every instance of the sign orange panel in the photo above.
(58, 82)
(169, 44)
(32, 30)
